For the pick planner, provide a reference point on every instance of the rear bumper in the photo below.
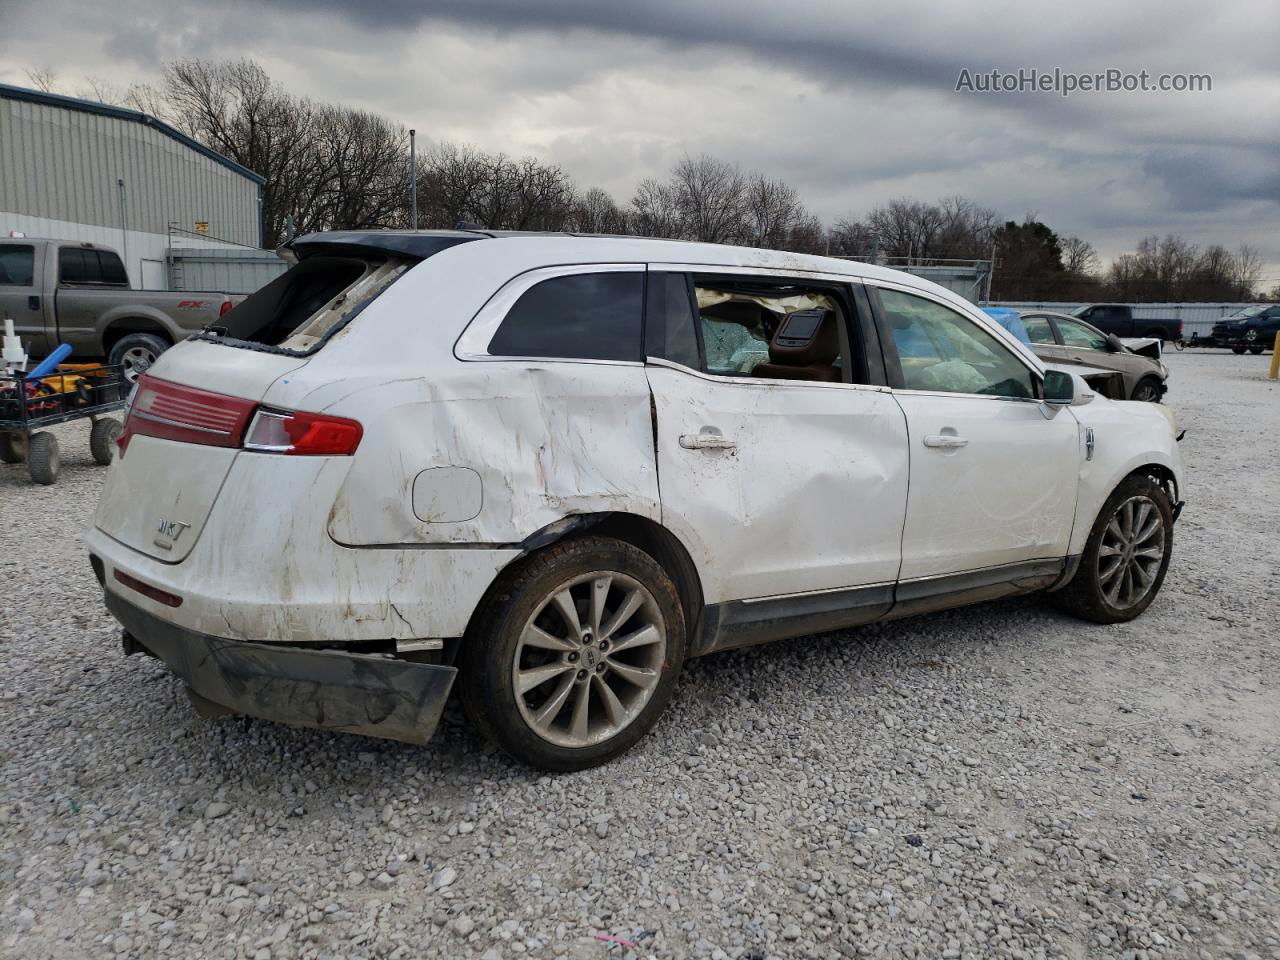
(328, 689)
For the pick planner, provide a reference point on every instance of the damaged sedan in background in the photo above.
(548, 469)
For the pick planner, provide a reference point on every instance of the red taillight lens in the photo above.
(224, 309)
(147, 590)
(303, 434)
(172, 411)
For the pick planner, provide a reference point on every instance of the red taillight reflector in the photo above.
(224, 309)
(172, 411)
(155, 593)
(303, 434)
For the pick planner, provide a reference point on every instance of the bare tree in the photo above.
(597, 212)
(1079, 257)
(43, 78)
(712, 198)
(1246, 270)
(656, 209)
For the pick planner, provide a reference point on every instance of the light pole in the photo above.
(124, 224)
(413, 181)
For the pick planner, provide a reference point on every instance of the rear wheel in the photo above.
(1126, 556)
(1255, 350)
(136, 352)
(43, 460)
(102, 439)
(1237, 349)
(575, 655)
(13, 447)
(1147, 390)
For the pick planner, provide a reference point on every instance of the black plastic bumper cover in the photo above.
(329, 689)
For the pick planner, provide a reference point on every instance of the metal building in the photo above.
(78, 170)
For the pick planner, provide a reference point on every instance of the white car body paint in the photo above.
(813, 496)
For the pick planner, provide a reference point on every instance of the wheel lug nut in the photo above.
(573, 658)
(600, 668)
(582, 674)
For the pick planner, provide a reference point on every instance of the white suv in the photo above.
(553, 467)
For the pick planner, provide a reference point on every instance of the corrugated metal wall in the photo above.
(231, 271)
(63, 164)
(1196, 317)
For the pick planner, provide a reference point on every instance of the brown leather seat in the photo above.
(814, 359)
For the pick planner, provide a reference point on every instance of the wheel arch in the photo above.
(641, 532)
(119, 328)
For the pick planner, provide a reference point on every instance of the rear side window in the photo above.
(586, 316)
(78, 265)
(17, 265)
(1038, 329)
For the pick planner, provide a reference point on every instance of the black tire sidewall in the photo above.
(102, 438)
(490, 645)
(1084, 596)
(13, 447)
(44, 461)
(130, 340)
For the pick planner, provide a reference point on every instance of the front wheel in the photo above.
(13, 447)
(1237, 349)
(1147, 390)
(575, 654)
(1125, 557)
(1257, 349)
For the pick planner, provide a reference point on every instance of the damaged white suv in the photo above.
(550, 468)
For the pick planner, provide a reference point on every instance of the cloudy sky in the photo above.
(854, 103)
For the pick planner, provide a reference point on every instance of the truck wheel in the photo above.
(1237, 349)
(1125, 557)
(13, 447)
(102, 439)
(1147, 390)
(1157, 334)
(1257, 350)
(43, 460)
(136, 352)
(574, 655)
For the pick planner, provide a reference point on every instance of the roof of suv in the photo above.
(421, 244)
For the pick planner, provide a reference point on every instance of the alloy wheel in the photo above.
(1131, 552)
(589, 659)
(135, 362)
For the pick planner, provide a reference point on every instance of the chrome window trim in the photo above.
(473, 344)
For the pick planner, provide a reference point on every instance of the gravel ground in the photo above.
(994, 781)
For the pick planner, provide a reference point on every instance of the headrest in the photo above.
(805, 337)
(736, 311)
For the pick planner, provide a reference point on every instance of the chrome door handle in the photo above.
(946, 441)
(706, 441)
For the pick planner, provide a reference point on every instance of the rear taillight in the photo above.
(302, 434)
(224, 309)
(172, 411)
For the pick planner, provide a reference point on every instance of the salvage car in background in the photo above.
(554, 467)
(1060, 338)
(60, 292)
(1253, 329)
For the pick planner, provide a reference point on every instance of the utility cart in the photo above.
(28, 404)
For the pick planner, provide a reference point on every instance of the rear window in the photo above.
(17, 265)
(296, 312)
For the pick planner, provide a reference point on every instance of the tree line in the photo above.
(329, 166)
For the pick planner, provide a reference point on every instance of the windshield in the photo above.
(1246, 313)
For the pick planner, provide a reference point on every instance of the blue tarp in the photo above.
(1008, 318)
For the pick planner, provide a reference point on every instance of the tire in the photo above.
(1147, 390)
(1091, 595)
(624, 696)
(1257, 350)
(43, 460)
(13, 447)
(1237, 349)
(102, 439)
(136, 352)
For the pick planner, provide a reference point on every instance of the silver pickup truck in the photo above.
(58, 291)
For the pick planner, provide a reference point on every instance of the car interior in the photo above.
(782, 335)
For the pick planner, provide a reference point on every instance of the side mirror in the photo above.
(1059, 388)
(1065, 390)
(1114, 344)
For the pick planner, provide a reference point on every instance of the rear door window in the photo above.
(1038, 329)
(78, 266)
(17, 265)
(1078, 335)
(587, 316)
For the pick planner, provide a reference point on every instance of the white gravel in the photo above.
(995, 781)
